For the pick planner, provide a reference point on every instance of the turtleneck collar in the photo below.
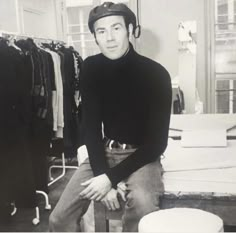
(122, 59)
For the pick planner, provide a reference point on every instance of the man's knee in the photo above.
(139, 203)
(143, 201)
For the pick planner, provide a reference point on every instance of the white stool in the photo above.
(181, 220)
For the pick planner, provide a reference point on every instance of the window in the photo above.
(225, 56)
(78, 34)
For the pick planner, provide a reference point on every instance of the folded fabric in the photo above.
(214, 180)
(177, 158)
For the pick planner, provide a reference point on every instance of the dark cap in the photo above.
(109, 9)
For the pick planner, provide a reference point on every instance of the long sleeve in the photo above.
(92, 119)
(156, 136)
(57, 96)
(60, 115)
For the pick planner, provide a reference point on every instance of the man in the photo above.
(131, 96)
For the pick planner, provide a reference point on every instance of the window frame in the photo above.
(214, 76)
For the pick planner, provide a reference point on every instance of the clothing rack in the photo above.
(8, 35)
(16, 36)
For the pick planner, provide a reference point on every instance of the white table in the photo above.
(203, 178)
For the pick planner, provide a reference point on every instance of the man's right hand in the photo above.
(111, 201)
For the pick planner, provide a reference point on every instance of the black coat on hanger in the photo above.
(15, 161)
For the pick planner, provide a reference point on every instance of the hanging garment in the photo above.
(78, 61)
(78, 67)
(42, 77)
(70, 86)
(57, 97)
(16, 180)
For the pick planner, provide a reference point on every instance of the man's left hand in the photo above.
(97, 188)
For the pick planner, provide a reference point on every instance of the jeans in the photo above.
(144, 187)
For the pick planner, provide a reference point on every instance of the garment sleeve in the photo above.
(156, 137)
(92, 119)
(51, 72)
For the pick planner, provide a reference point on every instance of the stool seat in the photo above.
(181, 220)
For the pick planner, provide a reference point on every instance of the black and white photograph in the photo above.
(118, 116)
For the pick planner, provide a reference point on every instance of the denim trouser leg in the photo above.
(70, 208)
(144, 187)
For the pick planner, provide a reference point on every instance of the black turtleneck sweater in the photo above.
(131, 96)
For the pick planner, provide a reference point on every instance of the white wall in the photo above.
(32, 17)
(159, 39)
(38, 18)
(8, 15)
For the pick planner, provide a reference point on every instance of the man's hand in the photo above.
(111, 201)
(121, 189)
(97, 188)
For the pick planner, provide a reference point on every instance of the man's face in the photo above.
(112, 36)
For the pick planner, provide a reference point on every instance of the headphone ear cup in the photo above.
(137, 31)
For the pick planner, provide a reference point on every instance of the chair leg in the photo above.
(101, 223)
(107, 225)
(102, 216)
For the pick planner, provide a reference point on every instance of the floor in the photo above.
(22, 220)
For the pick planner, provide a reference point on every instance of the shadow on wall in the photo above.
(149, 44)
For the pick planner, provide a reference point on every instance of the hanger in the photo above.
(11, 42)
(37, 42)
